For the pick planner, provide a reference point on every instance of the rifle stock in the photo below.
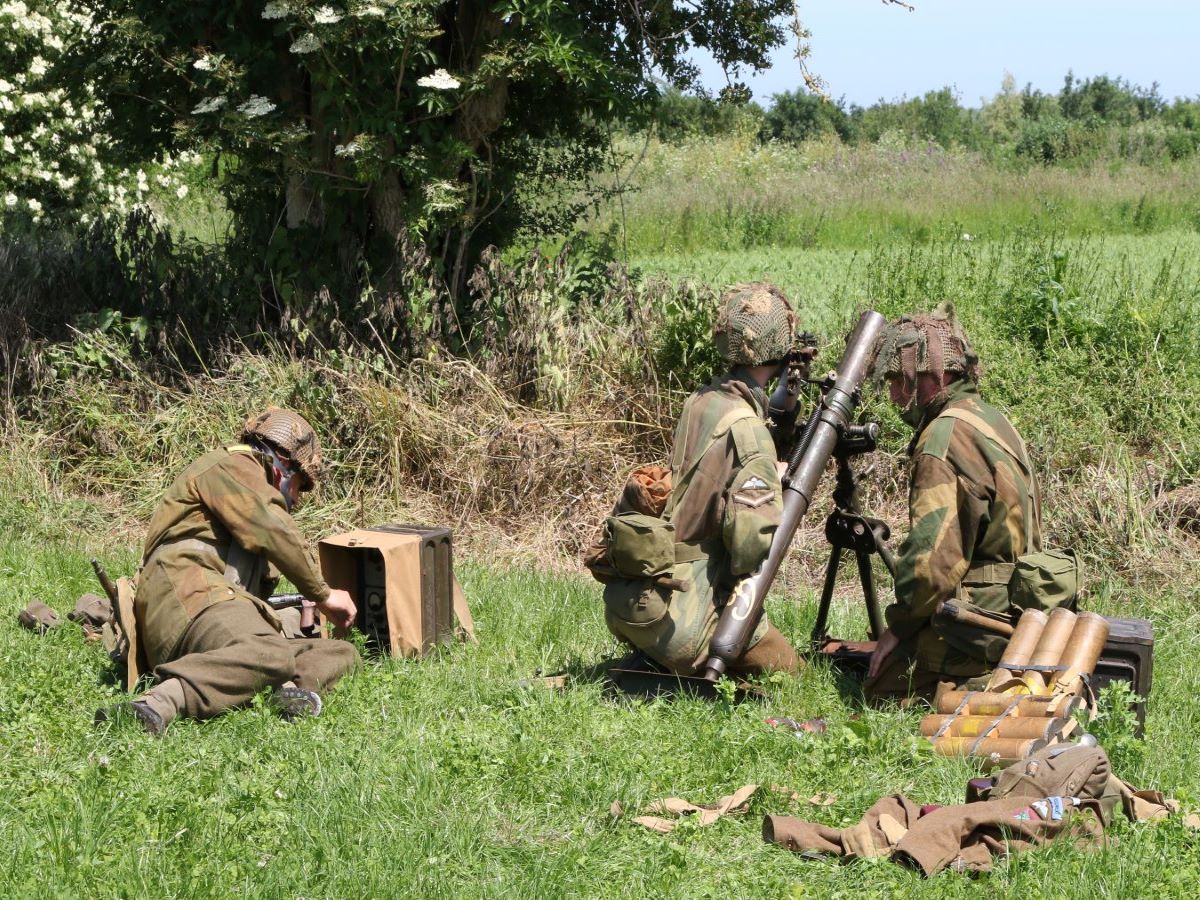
(808, 462)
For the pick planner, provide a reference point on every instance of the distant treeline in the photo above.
(1087, 119)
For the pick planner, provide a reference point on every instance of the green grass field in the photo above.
(445, 778)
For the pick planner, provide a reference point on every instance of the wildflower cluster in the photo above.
(54, 143)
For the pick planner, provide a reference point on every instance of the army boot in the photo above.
(153, 711)
(294, 702)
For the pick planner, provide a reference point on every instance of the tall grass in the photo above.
(732, 192)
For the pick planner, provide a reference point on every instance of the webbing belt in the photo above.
(991, 573)
(690, 551)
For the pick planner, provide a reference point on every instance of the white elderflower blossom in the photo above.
(34, 205)
(142, 186)
(5, 86)
(204, 64)
(349, 149)
(163, 180)
(327, 15)
(212, 104)
(371, 9)
(256, 106)
(181, 191)
(37, 67)
(306, 43)
(9, 147)
(440, 80)
(276, 10)
(11, 200)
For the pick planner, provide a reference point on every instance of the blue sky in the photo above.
(865, 50)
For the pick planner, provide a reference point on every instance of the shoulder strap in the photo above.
(1019, 454)
(723, 425)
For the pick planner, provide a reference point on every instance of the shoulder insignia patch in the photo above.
(754, 483)
(753, 502)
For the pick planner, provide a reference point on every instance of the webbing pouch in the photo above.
(1045, 580)
(640, 546)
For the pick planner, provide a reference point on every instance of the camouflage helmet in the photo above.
(754, 324)
(925, 343)
(290, 433)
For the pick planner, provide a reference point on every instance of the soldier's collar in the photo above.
(959, 389)
(741, 382)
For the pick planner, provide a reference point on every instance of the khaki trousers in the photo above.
(230, 652)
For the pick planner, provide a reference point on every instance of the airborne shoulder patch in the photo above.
(754, 483)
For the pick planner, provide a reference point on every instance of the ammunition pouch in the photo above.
(1045, 580)
(640, 546)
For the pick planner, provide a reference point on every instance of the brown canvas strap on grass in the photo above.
(1019, 454)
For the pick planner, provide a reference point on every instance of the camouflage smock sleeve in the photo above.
(945, 516)
(754, 498)
(254, 513)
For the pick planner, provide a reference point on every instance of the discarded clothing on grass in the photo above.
(964, 837)
(1058, 792)
(92, 612)
(38, 617)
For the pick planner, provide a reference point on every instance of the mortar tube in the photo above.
(1059, 625)
(1020, 646)
(1015, 727)
(1083, 650)
(993, 704)
(1001, 748)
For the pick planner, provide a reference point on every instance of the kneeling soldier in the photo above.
(218, 541)
(726, 499)
(973, 509)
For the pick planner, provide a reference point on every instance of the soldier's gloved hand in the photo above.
(339, 609)
(886, 645)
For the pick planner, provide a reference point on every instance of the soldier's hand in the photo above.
(884, 648)
(339, 609)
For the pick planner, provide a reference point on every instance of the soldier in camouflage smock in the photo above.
(973, 509)
(726, 499)
(218, 541)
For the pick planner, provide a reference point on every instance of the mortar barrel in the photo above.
(1020, 646)
(1001, 748)
(988, 703)
(1019, 727)
(1084, 648)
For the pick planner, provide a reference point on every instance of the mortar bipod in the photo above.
(846, 528)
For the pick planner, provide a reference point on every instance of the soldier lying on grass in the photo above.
(217, 544)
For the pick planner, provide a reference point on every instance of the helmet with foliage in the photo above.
(755, 324)
(925, 343)
(288, 433)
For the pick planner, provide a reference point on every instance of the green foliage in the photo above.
(678, 116)
(797, 116)
(491, 119)
(1115, 726)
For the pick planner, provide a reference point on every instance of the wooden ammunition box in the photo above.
(401, 577)
(1128, 656)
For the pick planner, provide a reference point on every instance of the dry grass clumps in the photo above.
(438, 442)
